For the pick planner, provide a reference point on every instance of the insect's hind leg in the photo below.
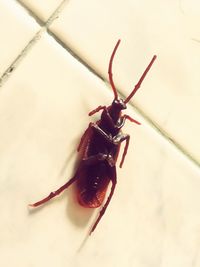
(102, 211)
(55, 193)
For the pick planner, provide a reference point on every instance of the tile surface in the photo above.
(169, 95)
(153, 216)
(16, 30)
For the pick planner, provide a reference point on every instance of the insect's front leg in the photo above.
(122, 120)
(97, 110)
(108, 118)
(108, 137)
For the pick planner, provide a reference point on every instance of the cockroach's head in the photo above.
(119, 104)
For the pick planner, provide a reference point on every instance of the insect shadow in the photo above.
(78, 215)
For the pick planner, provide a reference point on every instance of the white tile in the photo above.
(154, 215)
(170, 29)
(17, 29)
(42, 9)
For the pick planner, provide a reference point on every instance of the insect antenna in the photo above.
(137, 86)
(110, 70)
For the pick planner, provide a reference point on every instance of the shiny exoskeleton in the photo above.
(99, 148)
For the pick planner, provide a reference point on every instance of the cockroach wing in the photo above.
(92, 185)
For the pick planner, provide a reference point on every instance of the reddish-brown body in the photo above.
(99, 148)
(95, 176)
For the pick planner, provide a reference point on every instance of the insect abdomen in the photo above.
(92, 186)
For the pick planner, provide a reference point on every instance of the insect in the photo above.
(99, 148)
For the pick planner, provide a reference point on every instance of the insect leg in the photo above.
(84, 136)
(125, 116)
(86, 133)
(108, 117)
(97, 110)
(99, 157)
(122, 120)
(119, 138)
(55, 193)
(94, 159)
(114, 182)
(100, 131)
(115, 140)
(127, 138)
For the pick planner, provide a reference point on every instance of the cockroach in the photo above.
(99, 148)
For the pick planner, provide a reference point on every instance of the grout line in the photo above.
(20, 57)
(52, 17)
(46, 24)
(56, 13)
(31, 13)
(75, 55)
(37, 36)
(165, 134)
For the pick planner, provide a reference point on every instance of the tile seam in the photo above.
(167, 136)
(51, 18)
(74, 54)
(44, 25)
(31, 13)
(7, 73)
